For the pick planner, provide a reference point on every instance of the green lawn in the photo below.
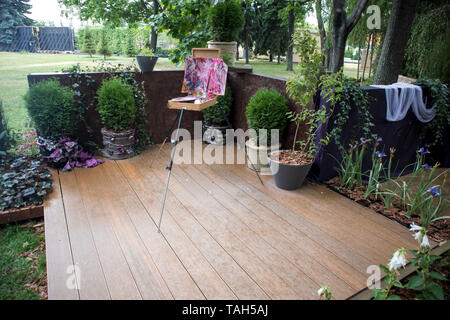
(14, 68)
(22, 261)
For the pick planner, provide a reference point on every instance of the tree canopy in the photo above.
(12, 14)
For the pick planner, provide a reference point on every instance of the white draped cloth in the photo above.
(402, 96)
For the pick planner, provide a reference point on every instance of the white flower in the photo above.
(320, 292)
(398, 260)
(417, 236)
(415, 227)
(425, 242)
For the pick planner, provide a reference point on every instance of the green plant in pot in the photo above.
(216, 119)
(225, 20)
(290, 167)
(266, 110)
(146, 60)
(117, 110)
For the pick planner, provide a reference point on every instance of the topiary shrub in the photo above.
(226, 19)
(52, 109)
(6, 140)
(267, 109)
(215, 115)
(116, 105)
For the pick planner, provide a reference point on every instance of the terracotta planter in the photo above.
(118, 145)
(258, 156)
(288, 176)
(146, 63)
(226, 48)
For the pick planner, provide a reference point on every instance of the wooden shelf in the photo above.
(191, 106)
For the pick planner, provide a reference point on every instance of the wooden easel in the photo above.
(196, 53)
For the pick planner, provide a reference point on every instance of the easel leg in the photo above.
(169, 167)
(165, 139)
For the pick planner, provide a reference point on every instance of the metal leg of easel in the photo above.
(245, 149)
(165, 140)
(169, 167)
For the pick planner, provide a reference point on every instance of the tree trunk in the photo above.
(270, 57)
(290, 50)
(323, 35)
(341, 29)
(395, 40)
(154, 35)
(237, 51)
(247, 51)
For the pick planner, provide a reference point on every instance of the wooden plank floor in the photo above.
(223, 236)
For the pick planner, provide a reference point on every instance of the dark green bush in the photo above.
(215, 115)
(6, 139)
(52, 109)
(226, 19)
(267, 109)
(116, 105)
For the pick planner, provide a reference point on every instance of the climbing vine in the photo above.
(439, 95)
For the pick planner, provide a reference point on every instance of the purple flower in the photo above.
(363, 141)
(70, 145)
(380, 154)
(378, 140)
(423, 151)
(434, 191)
(62, 140)
(426, 167)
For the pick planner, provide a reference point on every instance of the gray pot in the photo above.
(288, 176)
(215, 134)
(146, 63)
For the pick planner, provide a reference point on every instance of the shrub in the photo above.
(116, 105)
(6, 139)
(267, 110)
(217, 114)
(226, 19)
(51, 107)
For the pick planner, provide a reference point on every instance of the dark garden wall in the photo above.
(160, 86)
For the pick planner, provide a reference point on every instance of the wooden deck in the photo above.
(224, 235)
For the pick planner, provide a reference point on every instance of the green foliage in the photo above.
(116, 105)
(266, 110)
(6, 140)
(12, 14)
(51, 107)
(440, 97)
(218, 114)
(88, 42)
(104, 47)
(131, 43)
(226, 20)
(427, 54)
(307, 80)
(24, 182)
(16, 268)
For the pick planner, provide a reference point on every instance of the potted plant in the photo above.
(225, 20)
(216, 119)
(266, 110)
(146, 60)
(117, 110)
(290, 167)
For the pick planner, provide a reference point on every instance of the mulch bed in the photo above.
(38, 285)
(438, 231)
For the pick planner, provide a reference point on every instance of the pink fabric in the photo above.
(199, 70)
